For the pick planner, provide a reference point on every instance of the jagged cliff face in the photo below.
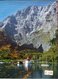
(34, 25)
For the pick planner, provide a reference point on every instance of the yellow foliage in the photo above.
(5, 47)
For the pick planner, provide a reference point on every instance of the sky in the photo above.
(9, 7)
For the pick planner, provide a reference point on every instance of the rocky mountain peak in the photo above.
(34, 25)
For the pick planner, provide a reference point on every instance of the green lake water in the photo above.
(37, 71)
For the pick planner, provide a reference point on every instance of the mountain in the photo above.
(34, 25)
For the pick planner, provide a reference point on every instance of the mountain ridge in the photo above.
(33, 25)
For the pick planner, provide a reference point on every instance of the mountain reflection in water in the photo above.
(35, 71)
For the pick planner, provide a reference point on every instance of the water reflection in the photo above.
(26, 63)
(34, 71)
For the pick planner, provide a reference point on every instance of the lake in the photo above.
(9, 70)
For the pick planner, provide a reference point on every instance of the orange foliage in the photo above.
(14, 54)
